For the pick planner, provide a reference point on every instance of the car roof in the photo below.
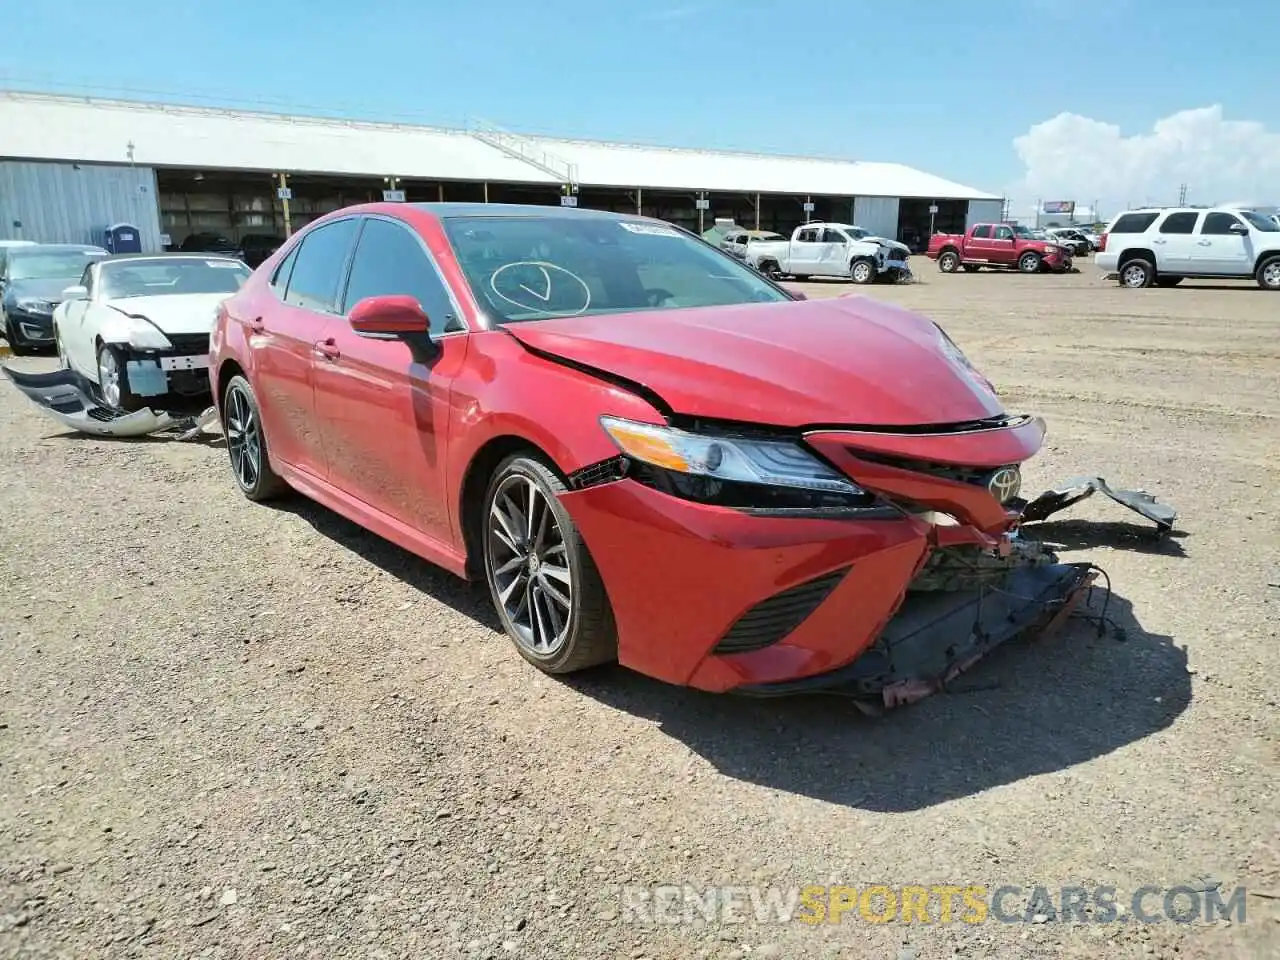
(188, 255)
(508, 210)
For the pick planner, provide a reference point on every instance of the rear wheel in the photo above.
(247, 444)
(862, 271)
(770, 269)
(544, 583)
(1268, 275)
(1029, 263)
(948, 261)
(1136, 274)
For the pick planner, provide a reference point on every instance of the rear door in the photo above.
(977, 246)
(1219, 250)
(284, 339)
(383, 410)
(1174, 242)
(806, 251)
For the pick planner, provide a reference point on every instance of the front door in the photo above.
(283, 333)
(835, 256)
(74, 331)
(384, 409)
(1004, 248)
(1220, 250)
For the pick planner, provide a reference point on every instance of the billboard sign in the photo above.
(1060, 206)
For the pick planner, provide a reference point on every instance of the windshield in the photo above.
(1259, 222)
(533, 268)
(50, 264)
(149, 278)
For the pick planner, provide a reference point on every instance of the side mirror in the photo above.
(396, 315)
(76, 293)
(1239, 228)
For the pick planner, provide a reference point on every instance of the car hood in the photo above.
(843, 361)
(174, 312)
(39, 289)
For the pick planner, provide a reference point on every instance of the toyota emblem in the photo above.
(1005, 484)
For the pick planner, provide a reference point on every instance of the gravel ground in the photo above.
(230, 730)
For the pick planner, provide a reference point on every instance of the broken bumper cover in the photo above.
(68, 398)
(1080, 488)
(936, 636)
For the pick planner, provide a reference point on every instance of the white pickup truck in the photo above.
(831, 250)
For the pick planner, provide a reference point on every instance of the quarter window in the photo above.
(317, 272)
(389, 260)
(1134, 222)
(1216, 224)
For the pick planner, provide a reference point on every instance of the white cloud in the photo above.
(1071, 157)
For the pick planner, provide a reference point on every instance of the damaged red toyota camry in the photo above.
(651, 453)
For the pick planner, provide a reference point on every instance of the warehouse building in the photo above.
(71, 166)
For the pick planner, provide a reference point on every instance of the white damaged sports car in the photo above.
(137, 326)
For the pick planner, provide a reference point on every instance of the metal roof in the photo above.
(93, 130)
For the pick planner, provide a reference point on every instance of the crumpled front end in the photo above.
(887, 602)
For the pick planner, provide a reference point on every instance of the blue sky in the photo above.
(942, 86)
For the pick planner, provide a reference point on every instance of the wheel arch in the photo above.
(1136, 253)
(217, 384)
(1263, 257)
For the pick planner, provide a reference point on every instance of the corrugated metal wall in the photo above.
(984, 211)
(879, 215)
(72, 203)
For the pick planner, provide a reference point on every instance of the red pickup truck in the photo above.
(1001, 245)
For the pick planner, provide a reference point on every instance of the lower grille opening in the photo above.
(771, 620)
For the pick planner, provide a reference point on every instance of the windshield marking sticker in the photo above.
(650, 229)
(529, 276)
(223, 264)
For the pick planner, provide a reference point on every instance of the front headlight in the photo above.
(144, 335)
(733, 471)
(35, 305)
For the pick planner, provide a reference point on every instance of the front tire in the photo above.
(1268, 275)
(247, 444)
(113, 380)
(1029, 263)
(17, 345)
(1136, 274)
(862, 271)
(543, 581)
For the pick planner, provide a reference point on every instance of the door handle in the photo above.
(1204, 243)
(257, 326)
(1159, 241)
(327, 349)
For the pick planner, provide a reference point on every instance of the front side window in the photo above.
(1217, 224)
(389, 261)
(165, 277)
(317, 271)
(280, 279)
(533, 268)
(833, 236)
(1004, 233)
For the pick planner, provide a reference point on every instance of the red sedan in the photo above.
(651, 453)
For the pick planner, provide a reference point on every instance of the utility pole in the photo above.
(1182, 196)
(284, 195)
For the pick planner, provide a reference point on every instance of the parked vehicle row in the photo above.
(32, 278)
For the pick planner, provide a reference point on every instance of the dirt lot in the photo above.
(229, 730)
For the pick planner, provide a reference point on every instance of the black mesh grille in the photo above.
(771, 620)
(603, 472)
(978, 476)
(185, 344)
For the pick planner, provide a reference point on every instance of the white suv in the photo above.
(1161, 247)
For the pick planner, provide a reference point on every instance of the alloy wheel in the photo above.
(244, 438)
(1271, 275)
(861, 272)
(529, 565)
(108, 376)
(1134, 275)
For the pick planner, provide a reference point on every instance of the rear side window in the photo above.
(1217, 224)
(1179, 223)
(982, 233)
(1134, 223)
(321, 262)
(807, 236)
